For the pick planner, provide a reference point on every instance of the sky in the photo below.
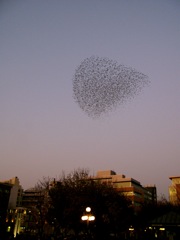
(43, 131)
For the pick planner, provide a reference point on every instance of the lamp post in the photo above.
(88, 217)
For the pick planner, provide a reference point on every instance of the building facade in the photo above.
(16, 193)
(174, 190)
(5, 189)
(14, 203)
(129, 187)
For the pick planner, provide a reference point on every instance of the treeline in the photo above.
(63, 202)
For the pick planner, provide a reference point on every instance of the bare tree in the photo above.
(76, 191)
(37, 209)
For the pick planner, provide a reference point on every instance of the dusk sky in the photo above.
(43, 131)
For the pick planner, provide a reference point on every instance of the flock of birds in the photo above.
(101, 84)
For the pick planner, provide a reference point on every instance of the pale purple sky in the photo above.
(44, 132)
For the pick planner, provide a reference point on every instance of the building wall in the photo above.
(15, 199)
(5, 189)
(174, 190)
(128, 186)
(14, 202)
(31, 197)
(151, 193)
(21, 219)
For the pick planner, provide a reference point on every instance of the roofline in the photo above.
(174, 177)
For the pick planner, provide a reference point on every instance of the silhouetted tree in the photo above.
(38, 210)
(74, 192)
(150, 211)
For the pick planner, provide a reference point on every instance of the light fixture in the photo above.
(88, 217)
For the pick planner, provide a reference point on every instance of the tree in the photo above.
(150, 211)
(76, 191)
(37, 206)
(42, 206)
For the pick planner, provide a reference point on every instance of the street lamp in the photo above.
(88, 217)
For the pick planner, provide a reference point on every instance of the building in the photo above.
(166, 226)
(31, 197)
(15, 219)
(36, 203)
(151, 193)
(14, 203)
(174, 190)
(20, 217)
(5, 189)
(15, 199)
(128, 187)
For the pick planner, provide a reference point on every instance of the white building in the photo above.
(15, 198)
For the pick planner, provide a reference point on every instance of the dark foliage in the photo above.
(75, 192)
(150, 211)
